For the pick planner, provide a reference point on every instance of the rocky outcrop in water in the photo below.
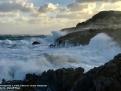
(76, 38)
(104, 78)
(108, 22)
(36, 43)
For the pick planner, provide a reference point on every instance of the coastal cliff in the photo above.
(108, 22)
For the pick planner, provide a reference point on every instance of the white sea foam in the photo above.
(17, 61)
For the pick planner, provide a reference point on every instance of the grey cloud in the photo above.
(43, 8)
(13, 6)
(48, 8)
(77, 6)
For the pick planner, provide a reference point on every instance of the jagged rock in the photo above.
(103, 78)
(35, 43)
(59, 80)
(52, 45)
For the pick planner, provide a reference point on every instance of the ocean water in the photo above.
(19, 57)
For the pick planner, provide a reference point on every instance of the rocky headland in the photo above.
(108, 22)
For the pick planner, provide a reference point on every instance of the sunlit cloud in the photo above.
(49, 16)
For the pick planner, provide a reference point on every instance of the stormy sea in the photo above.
(18, 56)
(82, 58)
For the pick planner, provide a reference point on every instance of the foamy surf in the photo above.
(25, 58)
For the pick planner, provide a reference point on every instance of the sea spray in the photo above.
(25, 58)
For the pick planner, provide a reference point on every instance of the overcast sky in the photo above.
(43, 16)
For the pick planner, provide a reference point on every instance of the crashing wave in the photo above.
(16, 62)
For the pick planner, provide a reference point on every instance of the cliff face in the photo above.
(108, 22)
(76, 38)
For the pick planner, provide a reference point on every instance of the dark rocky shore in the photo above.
(104, 78)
